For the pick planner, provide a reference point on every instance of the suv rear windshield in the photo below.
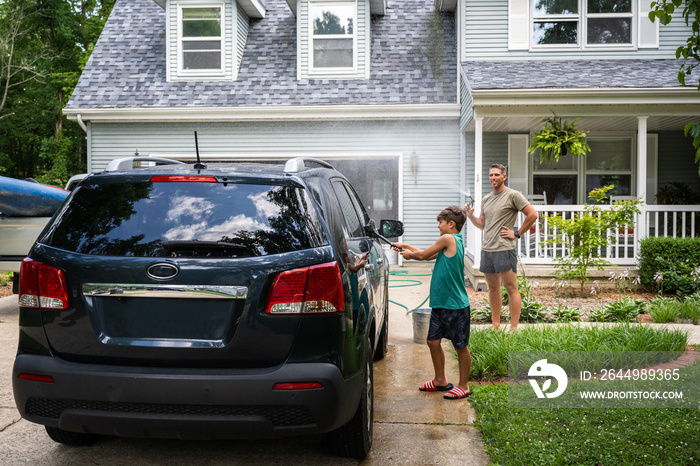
(185, 219)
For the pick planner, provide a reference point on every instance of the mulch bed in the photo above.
(551, 297)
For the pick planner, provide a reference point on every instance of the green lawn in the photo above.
(592, 436)
(584, 436)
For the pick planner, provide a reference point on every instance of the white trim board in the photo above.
(298, 113)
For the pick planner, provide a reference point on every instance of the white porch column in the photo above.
(475, 233)
(641, 176)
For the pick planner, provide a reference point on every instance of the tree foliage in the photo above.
(44, 45)
(585, 236)
(664, 10)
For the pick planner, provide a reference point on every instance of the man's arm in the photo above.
(479, 222)
(530, 218)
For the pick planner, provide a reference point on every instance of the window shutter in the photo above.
(518, 25)
(518, 162)
(647, 32)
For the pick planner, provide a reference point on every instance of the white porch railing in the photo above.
(660, 220)
(673, 220)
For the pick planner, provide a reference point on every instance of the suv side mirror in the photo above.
(391, 228)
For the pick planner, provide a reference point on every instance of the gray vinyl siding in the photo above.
(677, 160)
(242, 35)
(362, 44)
(436, 144)
(230, 25)
(485, 37)
(466, 104)
(494, 147)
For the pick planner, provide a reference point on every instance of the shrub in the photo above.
(6, 278)
(675, 259)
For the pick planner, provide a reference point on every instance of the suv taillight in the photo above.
(311, 290)
(42, 286)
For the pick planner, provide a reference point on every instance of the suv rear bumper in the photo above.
(184, 403)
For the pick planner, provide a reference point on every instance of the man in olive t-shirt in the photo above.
(499, 261)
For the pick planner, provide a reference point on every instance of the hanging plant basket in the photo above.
(557, 138)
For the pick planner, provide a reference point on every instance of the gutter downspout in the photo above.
(82, 124)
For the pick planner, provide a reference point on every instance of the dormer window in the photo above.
(205, 39)
(333, 38)
(333, 35)
(201, 39)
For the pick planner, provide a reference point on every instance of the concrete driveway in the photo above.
(411, 427)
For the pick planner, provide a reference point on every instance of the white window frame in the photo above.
(181, 39)
(570, 18)
(314, 71)
(581, 171)
(582, 27)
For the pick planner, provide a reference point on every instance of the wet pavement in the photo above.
(411, 427)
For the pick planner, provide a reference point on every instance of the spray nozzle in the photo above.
(470, 200)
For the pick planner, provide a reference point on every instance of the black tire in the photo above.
(71, 438)
(383, 345)
(354, 439)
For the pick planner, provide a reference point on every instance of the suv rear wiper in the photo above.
(195, 245)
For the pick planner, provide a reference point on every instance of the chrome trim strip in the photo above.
(124, 290)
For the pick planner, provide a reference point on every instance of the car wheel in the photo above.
(354, 439)
(383, 345)
(71, 438)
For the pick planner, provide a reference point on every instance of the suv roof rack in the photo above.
(297, 164)
(129, 163)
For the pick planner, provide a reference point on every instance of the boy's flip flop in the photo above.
(430, 386)
(457, 394)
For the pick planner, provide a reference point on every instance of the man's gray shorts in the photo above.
(498, 261)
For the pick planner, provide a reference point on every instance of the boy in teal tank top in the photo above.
(449, 317)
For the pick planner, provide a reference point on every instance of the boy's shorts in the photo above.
(498, 261)
(452, 324)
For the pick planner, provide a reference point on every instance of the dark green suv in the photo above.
(227, 301)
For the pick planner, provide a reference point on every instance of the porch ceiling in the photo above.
(527, 124)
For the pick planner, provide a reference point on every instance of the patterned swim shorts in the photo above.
(452, 324)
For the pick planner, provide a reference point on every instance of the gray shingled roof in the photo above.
(573, 74)
(128, 66)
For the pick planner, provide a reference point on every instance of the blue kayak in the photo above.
(28, 199)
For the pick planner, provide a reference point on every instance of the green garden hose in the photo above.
(407, 282)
